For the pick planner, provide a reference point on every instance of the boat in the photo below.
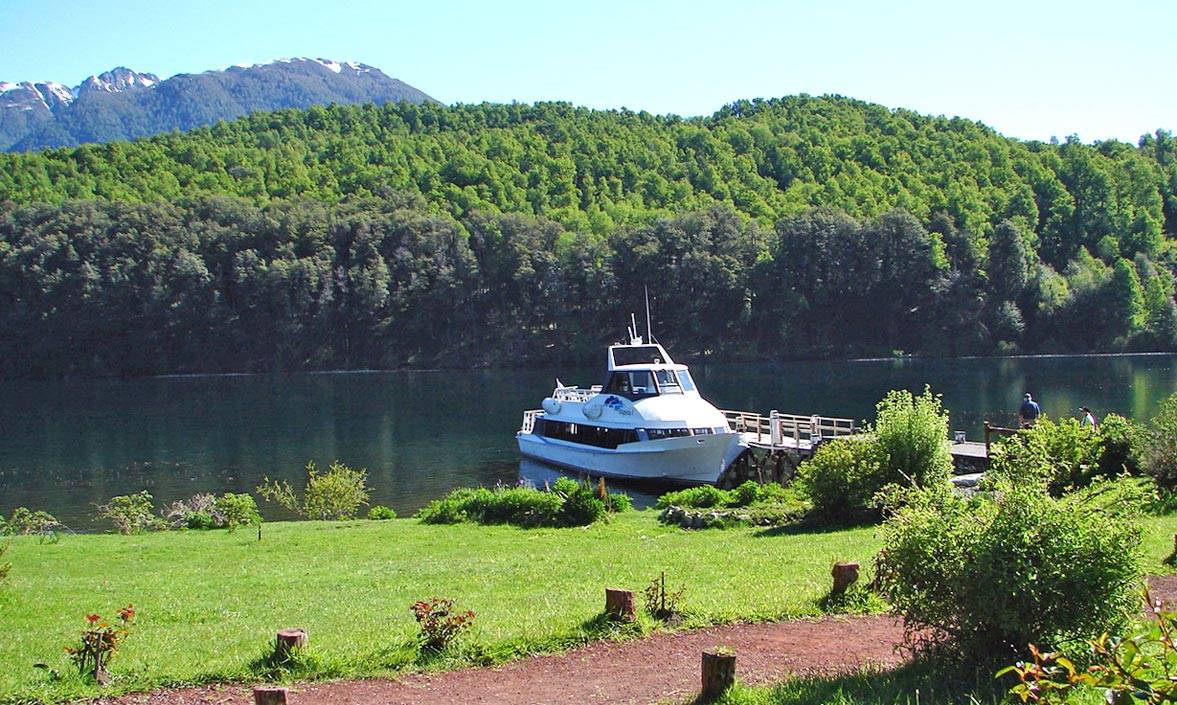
(647, 421)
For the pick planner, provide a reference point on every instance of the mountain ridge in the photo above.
(125, 104)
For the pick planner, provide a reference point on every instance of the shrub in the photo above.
(335, 493)
(662, 603)
(907, 445)
(381, 512)
(99, 642)
(440, 623)
(842, 477)
(1059, 456)
(702, 497)
(1138, 668)
(989, 575)
(1160, 445)
(568, 503)
(26, 522)
(131, 514)
(581, 507)
(1120, 444)
(235, 509)
(911, 435)
(208, 511)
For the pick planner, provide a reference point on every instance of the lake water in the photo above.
(65, 446)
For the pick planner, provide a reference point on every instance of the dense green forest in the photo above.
(384, 236)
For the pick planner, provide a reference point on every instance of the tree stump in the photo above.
(619, 604)
(719, 673)
(269, 695)
(289, 641)
(845, 575)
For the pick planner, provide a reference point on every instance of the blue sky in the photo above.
(1030, 69)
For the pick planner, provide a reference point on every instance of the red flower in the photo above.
(127, 613)
(92, 618)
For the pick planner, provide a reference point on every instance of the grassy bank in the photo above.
(210, 602)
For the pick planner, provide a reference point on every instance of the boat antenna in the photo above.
(633, 329)
(649, 334)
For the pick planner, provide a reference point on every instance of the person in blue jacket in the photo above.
(1029, 412)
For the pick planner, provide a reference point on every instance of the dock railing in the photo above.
(999, 430)
(780, 430)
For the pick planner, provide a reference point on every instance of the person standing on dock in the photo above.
(1088, 420)
(1029, 412)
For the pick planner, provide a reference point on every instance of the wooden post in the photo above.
(289, 641)
(845, 575)
(719, 673)
(269, 695)
(986, 439)
(619, 604)
(1175, 544)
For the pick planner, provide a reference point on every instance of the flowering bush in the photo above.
(99, 642)
(440, 623)
(332, 494)
(132, 513)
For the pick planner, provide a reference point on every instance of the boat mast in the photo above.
(649, 334)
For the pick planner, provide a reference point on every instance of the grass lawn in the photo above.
(210, 602)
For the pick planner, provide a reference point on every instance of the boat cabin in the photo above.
(638, 371)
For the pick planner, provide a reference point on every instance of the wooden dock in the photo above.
(778, 443)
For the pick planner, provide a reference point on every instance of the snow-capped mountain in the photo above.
(125, 104)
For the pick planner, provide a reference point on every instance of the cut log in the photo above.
(719, 673)
(845, 575)
(619, 604)
(289, 641)
(269, 695)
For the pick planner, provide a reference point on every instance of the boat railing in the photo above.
(575, 393)
(529, 418)
(779, 430)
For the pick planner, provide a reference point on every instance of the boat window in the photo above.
(667, 382)
(684, 379)
(599, 436)
(659, 433)
(636, 354)
(632, 385)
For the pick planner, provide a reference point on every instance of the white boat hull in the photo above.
(684, 459)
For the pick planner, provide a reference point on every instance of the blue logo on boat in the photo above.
(614, 403)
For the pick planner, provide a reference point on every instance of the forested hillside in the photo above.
(383, 236)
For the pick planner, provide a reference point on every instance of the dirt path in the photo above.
(657, 668)
(663, 667)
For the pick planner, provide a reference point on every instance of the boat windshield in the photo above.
(685, 381)
(632, 384)
(667, 382)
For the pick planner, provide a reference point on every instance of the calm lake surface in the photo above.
(65, 446)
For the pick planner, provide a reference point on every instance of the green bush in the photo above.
(708, 496)
(208, 511)
(842, 477)
(381, 512)
(581, 507)
(568, 503)
(1120, 445)
(1059, 456)
(234, 509)
(131, 514)
(994, 574)
(908, 444)
(26, 522)
(336, 493)
(702, 497)
(1160, 445)
(911, 435)
(5, 567)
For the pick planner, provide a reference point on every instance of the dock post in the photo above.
(775, 428)
(986, 439)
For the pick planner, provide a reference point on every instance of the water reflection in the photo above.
(65, 446)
